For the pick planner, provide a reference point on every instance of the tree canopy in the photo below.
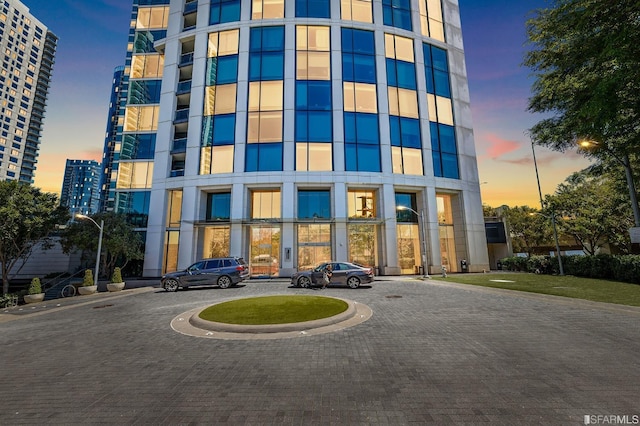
(120, 242)
(29, 216)
(585, 57)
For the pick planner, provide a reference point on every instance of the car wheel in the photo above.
(171, 285)
(353, 282)
(224, 282)
(304, 282)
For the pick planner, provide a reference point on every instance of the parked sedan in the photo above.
(223, 272)
(344, 273)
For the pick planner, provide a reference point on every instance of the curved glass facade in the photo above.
(291, 132)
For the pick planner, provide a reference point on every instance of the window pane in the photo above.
(450, 166)
(408, 103)
(320, 158)
(367, 128)
(222, 159)
(410, 129)
(412, 161)
(224, 129)
(313, 205)
(447, 139)
(226, 99)
(368, 158)
(365, 97)
(396, 159)
(320, 126)
(349, 96)
(445, 111)
(404, 49)
(361, 11)
(271, 126)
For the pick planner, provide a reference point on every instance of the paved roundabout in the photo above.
(190, 324)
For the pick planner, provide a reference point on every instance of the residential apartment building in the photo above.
(27, 52)
(113, 134)
(294, 132)
(80, 187)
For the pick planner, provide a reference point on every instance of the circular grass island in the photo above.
(270, 310)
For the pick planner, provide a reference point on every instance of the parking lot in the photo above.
(431, 353)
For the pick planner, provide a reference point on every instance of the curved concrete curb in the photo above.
(189, 323)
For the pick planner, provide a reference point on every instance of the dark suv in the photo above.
(221, 271)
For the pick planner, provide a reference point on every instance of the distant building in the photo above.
(80, 191)
(112, 137)
(297, 131)
(27, 51)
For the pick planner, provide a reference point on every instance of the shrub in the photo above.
(627, 268)
(35, 287)
(514, 263)
(88, 278)
(117, 275)
(539, 265)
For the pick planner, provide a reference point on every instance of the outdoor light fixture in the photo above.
(421, 223)
(101, 228)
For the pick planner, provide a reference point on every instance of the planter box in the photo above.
(33, 298)
(115, 286)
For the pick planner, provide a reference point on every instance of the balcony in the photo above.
(179, 146)
(190, 7)
(176, 173)
(182, 115)
(183, 87)
(186, 59)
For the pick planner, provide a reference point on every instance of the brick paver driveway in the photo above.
(431, 353)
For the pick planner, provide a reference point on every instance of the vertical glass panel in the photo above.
(271, 126)
(319, 66)
(431, 106)
(392, 93)
(222, 159)
(216, 241)
(174, 208)
(362, 244)
(205, 160)
(369, 158)
(445, 110)
(365, 97)
(361, 11)
(408, 247)
(396, 159)
(271, 95)
(404, 49)
(253, 127)
(228, 44)
(412, 161)
(225, 102)
(219, 206)
(314, 245)
(254, 96)
(320, 126)
(224, 129)
(265, 204)
(389, 46)
(349, 96)
(264, 250)
(314, 204)
(302, 156)
(408, 103)
(320, 157)
(209, 100)
(171, 240)
(450, 166)
(361, 204)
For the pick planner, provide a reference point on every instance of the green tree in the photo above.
(590, 209)
(29, 216)
(120, 243)
(585, 55)
(527, 229)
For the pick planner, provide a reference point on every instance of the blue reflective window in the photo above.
(439, 59)
(135, 207)
(397, 13)
(312, 9)
(224, 129)
(350, 127)
(319, 95)
(392, 76)
(447, 139)
(144, 91)
(406, 75)
(435, 138)
(264, 157)
(410, 128)
(224, 11)
(406, 200)
(320, 126)
(450, 166)
(358, 41)
(364, 69)
(394, 130)
(441, 80)
(437, 163)
(351, 157)
(368, 158)
(302, 126)
(227, 69)
(218, 206)
(138, 147)
(367, 128)
(314, 204)
(266, 57)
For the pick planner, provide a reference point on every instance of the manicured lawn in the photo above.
(568, 286)
(274, 310)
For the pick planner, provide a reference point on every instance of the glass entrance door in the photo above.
(264, 257)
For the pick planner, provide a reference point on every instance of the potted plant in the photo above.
(88, 286)
(116, 283)
(34, 294)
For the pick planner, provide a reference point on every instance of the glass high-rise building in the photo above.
(27, 52)
(293, 132)
(80, 187)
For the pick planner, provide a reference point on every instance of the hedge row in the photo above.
(624, 268)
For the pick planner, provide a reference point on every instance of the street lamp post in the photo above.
(553, 214)
(421, 223)
(586, 144)
(101, 228)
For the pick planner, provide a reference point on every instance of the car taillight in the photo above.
(239, 268)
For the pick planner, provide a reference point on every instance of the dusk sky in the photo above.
(93, 39)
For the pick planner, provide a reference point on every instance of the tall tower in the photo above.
(296, 132)
(28, 52)
(80, 185)
(112, 139)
